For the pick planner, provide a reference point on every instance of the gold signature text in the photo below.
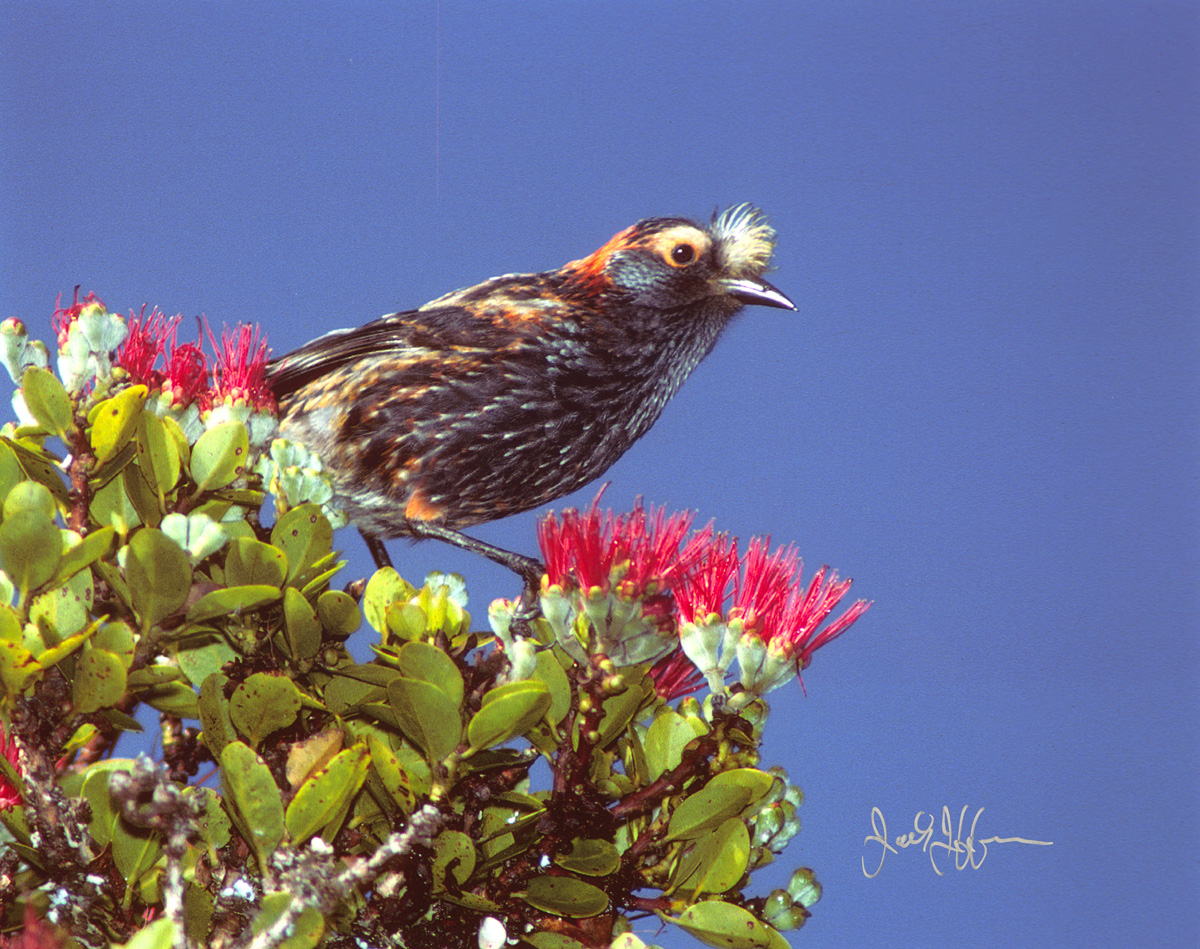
(969, 852)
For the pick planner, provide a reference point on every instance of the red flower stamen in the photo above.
(674, 676)
(239, 373)
(704, 586)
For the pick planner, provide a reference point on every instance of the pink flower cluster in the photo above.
(184, 375)
(153, 356)
(694, 580)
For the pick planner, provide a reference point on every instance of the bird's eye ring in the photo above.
(682, 254)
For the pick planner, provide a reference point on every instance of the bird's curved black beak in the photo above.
(756, 291)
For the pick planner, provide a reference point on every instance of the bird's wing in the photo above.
(396, 334)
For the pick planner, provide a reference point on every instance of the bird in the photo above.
(504, 396)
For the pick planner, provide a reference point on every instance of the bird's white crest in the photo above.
(743, 239)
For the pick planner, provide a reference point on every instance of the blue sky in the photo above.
(985, 410)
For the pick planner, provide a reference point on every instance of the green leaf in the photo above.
(717, 862)
(117, 638)
(427, 715)
(392, 774)
(134, 851)
(250, 562)
(301, 624)
(262, 704)
(508, 710)
(159, 576)
(173, 698)
(159, 934)
(111, 506)
(665, 740)
(305, 933)
(453, 857)
(383, 589)
(200, 657)
(40, 466)
(64, 606)
(550, 671)
(10, 470)
(717, 923)
(590, 857)
(727, 795)
(99, 680)
(231, 601)
(215, 719)
(219, 455)
(158, 454)
(257, 802)
(141, 495)
(564, 896)
(30, 548)
(340, 615)
(622, 708)
(48, 401)
(148, 677)
(427, 662)
(323, 800)
(114, 422)
(30, 496)
(304, 535)
(94, 546)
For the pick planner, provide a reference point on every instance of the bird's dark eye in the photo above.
(682, 254)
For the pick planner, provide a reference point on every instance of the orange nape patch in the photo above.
(589, 270)
(420, 508)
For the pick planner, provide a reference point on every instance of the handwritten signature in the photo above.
(967, 853)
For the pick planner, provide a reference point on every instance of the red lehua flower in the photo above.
(144, 344)
(186, 371)
(63, 317)
(584, 548)
(239, 373)
(675, 675)
(9, 795)
(762, 588)
(712, 561)
(808, 609)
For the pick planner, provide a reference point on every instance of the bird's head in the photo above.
(670, 263)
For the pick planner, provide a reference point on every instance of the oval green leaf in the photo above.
(304, 535)
(258, 806)
(250, 562)
(219, 455)
(565, 896)
(30, 548)
(717, 923)
(339, 614)
(158, 453)
(326, 794)
(114, 422)
(590, 857)
(508, 710)
(427, 715)
(99, 680)
(726, 795)
(159, 575)
(427, 662)
(301, 624)
(231, 601)
(717, 862)
(262, 704)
